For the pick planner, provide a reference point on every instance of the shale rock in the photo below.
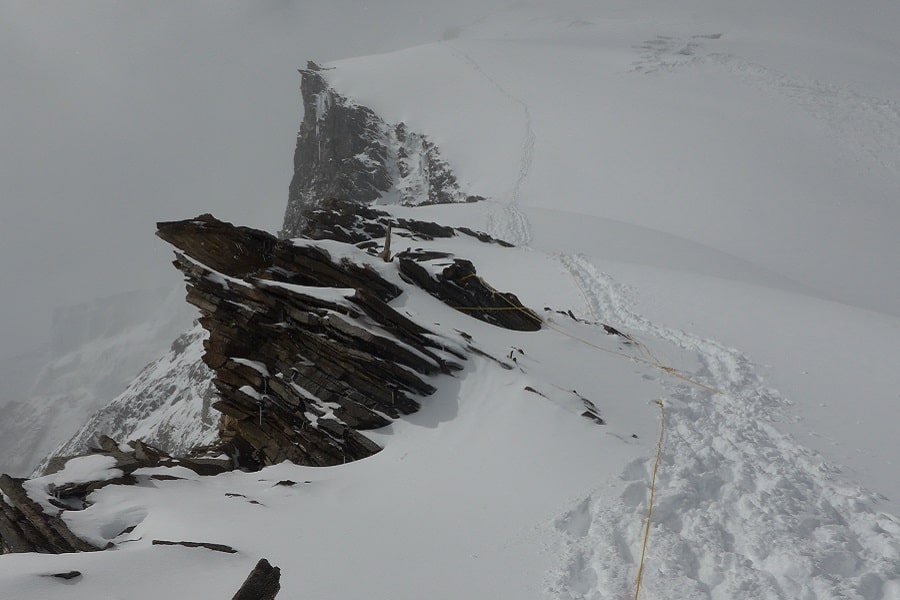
(29, 526)
(306, 351)
(346, 151)
(263, 583)
(459, 286)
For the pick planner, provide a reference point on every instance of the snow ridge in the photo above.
(747, 513)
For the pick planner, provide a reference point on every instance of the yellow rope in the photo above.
(670, 370)
(662, 429)
(643, 347)
(662, 411)
(653, 363)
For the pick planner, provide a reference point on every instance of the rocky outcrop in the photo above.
(302, 351)
(263, 583)
(352, 223)
(459, 286)
(346, 151)
(127, 458)
(306, 351)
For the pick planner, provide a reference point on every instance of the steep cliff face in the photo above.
(346, 151)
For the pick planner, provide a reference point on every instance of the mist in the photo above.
(118, 115)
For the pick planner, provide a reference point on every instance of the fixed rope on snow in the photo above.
(653, 363)
(662, 411)
(662, 414)
(662, 430)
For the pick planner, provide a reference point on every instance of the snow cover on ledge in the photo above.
(705, 178)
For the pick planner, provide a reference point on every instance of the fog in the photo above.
(116, 115)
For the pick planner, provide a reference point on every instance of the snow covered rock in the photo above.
(306, 351)
(345, 150)
(458, 285)
(26, 527)
(452, 280)
(32, 511)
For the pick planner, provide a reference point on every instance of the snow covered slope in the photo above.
(694, 127)
(96, 349)
(750, 162)
(499, 486)
(168, 405)
(715, 181)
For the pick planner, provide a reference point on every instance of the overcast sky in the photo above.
(115, 115)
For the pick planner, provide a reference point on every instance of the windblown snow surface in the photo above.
(719, 183)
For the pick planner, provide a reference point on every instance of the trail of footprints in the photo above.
(741, 511)
(508, 222)
(866, 126)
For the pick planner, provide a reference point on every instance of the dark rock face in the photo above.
(263, 583)
(26, 527)
(346, 151)
(301, 368)
(459, 286)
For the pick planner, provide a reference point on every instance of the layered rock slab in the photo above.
(306, 351)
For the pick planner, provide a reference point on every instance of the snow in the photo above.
(86, 468)
(249, 391)
(718, 182)
(614, 122)
(334, 295)
(253, 364)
